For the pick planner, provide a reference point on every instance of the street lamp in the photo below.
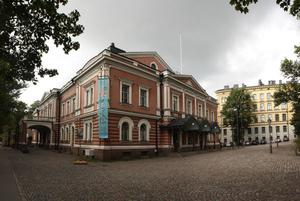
(270, 137)
(237, 125)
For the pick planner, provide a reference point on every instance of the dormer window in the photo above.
(153, 66)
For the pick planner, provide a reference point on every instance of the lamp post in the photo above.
(237, 125)
(270, 137)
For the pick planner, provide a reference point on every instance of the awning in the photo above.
(188, 123)
(204, 125)
(215, 127)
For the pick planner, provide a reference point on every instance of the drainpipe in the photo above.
(58, 120)
(161, 78)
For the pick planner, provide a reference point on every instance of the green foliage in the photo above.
(292, 6)
(25, 27)
(237, 111)
(290, 91)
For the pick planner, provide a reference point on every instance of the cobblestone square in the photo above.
(249, 173)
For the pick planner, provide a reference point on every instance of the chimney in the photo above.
(243, 85)
(260, 83)
(226, 87)
(114, 49)
(235, 86)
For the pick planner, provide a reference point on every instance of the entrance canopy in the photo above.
(188, 123)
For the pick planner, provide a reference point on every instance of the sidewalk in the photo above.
(8, 188)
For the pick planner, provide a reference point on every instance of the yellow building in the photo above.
(262, 96)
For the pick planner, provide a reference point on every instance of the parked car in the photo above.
(229, 144)
(254, 142)
(247, 143)
(263, 141)
(278, 140)
(285, 138)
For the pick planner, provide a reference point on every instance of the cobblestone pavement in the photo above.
(249, 173)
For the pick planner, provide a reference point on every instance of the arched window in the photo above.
(62, 134)
(143, 132)
(90, 132)
(153, 66)
(67, 134)
(125, 131)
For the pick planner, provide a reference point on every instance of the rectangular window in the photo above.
(68, 107)
(277, 129)
(262, 96)
(144, 97)
(125, 93)
(263, 130)
(88, 131)
(254, 97)
(189, 107)
(255, 107)
(63, 110)
(262, 106)
(89, 96)
(262, 118)
(276, 117)
(284, 129)
(212, 116)
(73, 104)
(269, 106)
(224, 131)
(270, 129)
(283, 106)
(269, 96)
(283, 117)
(190, 138)
(175, 103)
(200, 111)
(256, 130)
(270, 117)
(249, 130)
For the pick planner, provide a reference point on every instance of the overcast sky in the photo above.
(220, 45)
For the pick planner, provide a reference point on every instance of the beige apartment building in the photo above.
(262, 96)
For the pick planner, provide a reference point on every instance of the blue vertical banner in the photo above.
(103, 95)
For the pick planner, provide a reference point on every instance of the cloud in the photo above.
(220, 45)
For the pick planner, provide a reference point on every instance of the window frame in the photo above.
(140, 96)
(129, 92)
(177, 103)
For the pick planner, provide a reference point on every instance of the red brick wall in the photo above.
(137, 81)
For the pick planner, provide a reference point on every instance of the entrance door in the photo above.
(176, 139)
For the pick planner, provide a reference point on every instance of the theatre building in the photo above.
(125, 104)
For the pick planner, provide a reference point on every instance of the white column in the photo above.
(205, 115)
(158, 99)
(195, 108)
(183, 104)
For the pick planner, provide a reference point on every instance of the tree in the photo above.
(25, 27)
(243, 5)
(290, 92)
(237, 112)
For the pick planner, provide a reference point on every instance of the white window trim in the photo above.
(186, 106)
(201, 111)
(147, 92)
(156, 66)
(130, 91)
(131, 126)
(177, 106)
(88, 101)
(62, 133)
(148, 127)
(67, 133)
(87, 130)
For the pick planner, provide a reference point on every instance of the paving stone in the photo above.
(249, 173)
